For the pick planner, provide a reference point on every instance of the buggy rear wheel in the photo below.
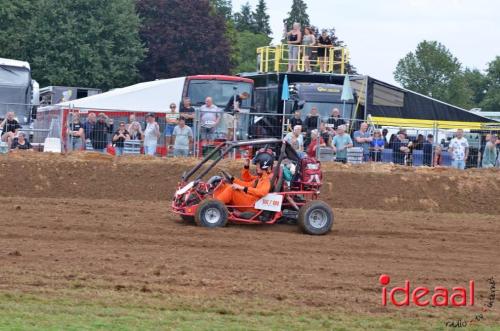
(315, 217)
(211, 213)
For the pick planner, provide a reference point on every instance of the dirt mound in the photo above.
(368, 186)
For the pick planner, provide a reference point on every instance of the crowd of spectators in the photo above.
(332, 134)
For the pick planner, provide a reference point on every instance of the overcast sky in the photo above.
(380, 32)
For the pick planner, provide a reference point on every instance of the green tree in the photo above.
(74, 42)
(432, 70)
(223, 7)
(477, 83)
(244, 20)
(247, 45)
(298, 14)
(262, 19)
(179, 49)
(491, 101)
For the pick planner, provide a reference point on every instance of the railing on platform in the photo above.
(328, 59)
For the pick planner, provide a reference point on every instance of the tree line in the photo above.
(434, 71)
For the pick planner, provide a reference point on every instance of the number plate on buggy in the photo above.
(271, 202)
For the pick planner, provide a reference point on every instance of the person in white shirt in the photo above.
(209, 119)
(459, 150)
(295, 138)
(151, 135)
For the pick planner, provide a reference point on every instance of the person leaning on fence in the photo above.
(99, 136)
(437, 160)
(400, 148)
(88, 128)
(326, 134)
(325, 42)
(313, 146)
(427, 150)
(75, 133)
(119, 138)
(182, 138)
(376, 146)
(21, 143)
(385, 132)
(459, 149)
(131, 119)
(295, 138)
(294, 38)
(10, 127)
(151, 135)
(209, 119)
(490, 154)
(308, 40)
(363, 138)
(340, 143)
(171, 119)
(135, 131)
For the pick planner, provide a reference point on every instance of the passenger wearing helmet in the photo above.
(250, 188)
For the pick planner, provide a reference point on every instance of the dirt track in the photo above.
(86, 221)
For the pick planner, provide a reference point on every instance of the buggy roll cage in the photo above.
(286, 150)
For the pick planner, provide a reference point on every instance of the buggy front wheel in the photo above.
(315, 217)
(211, 213)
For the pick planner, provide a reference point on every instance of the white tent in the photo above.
(155, 96)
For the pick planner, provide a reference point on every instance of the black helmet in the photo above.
(265, 159)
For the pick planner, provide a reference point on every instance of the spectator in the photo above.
(119, 138)
(340, 143)
(376, 146)
(99, 135)
(182, 138)
(294, 38)
(384, 135)
(419, 143)
(335, 119)
(393, 138)
(459, 150)
(427, 150)
(135, 131)
(76, 135)
(363, 138)
(171, 119)
(482, 147)
(313, 146)
(151, 135)
(438, 156)
(325, 44)
(233, 107)
(490, 154)
(296, 120)
(312, 119)
(21, 143)
(400, 148)
(188, 113)
(325, 134)
(308, 41)
(10, 127)
(88, 128)
(209, 118)
(131, 119)
(295, 138)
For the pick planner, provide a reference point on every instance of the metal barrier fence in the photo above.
(354, 142)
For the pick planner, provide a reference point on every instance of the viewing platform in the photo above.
(329, 59)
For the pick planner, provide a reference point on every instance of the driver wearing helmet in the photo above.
(250, 188)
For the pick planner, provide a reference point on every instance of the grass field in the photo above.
(36, 312)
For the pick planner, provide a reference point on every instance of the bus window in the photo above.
(220, 91)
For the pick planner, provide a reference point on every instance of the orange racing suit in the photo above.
(255, 186)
